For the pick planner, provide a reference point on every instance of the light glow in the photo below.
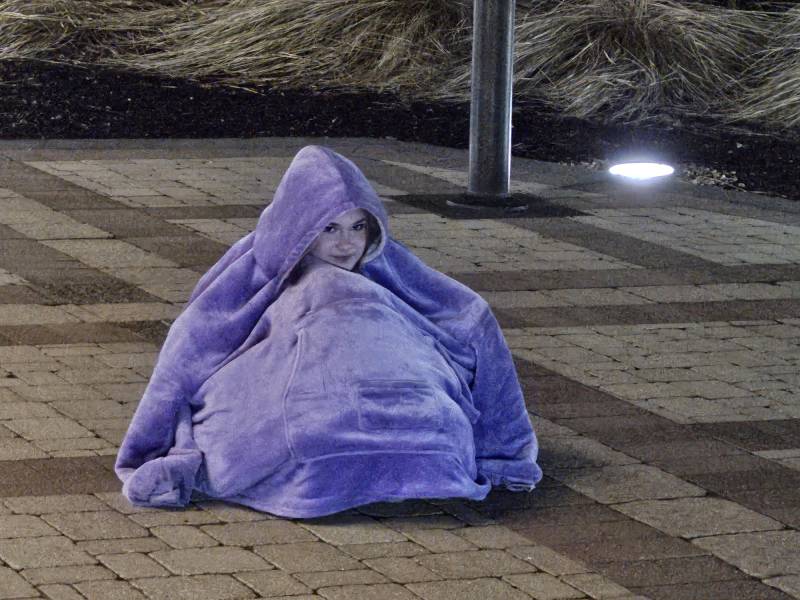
(641, 170)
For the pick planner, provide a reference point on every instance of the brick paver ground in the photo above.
(656, 333)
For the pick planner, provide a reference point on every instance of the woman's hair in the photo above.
(373, 238)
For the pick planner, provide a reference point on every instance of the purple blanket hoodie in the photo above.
(304, 397)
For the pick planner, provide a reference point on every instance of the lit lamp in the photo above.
(640, 165)
(641, 171)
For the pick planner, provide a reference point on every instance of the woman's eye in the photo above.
(329, 229)
(359, 227)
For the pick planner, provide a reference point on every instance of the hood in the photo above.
(318, 186)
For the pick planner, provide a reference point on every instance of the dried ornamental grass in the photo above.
(775, 98)
(377, 44)
(631, 60)
(79, 30)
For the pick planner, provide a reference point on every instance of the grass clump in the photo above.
(774, 98)
(634, 60)
(79, 31)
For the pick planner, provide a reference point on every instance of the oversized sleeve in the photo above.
(505, 443)
(158, 459)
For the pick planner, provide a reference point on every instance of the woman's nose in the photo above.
(347, 238)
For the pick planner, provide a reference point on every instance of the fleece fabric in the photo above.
(304, 394)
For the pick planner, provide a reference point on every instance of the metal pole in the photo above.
(490, 110)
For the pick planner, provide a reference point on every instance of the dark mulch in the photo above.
(43, 100)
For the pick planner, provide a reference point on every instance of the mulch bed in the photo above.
(46, 100)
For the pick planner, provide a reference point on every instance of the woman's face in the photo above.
(343, 241)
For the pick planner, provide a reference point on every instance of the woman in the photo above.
(319, 365)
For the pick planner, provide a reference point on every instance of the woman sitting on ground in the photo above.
(319, 365)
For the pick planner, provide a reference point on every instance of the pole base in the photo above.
(478, 202)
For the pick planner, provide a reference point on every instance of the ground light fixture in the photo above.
(641, 171)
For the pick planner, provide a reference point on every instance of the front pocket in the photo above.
(388, 405)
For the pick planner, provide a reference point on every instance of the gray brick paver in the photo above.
(51, 551)
(95, 525)
(24, 526)
(386, 591)
(198, 587)
(73, 574)
(548, 560)
(614, 484)
(14, 586)
(469, 589)
(273, 583)
(122, 545)
(325, 579)
(60, 591)
(543, 586)
(183, 536)
(760, 554)
(474, 563)
(402, 570)
(132, 565)
(351, 529)
(201, 561)
(307, 556)
(383, 550)
(440, 540)
(259, 532)
(109, 590)
(697, 517)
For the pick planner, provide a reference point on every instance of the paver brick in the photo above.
(208, 587)
(610, 485)
(258, 532)
(761, 554)
(469, 589)
(386, 591)
(183, 536)
(737, 589)
(48, 551)
(73, 574)
(17, 448)
(543, 586)
(133, 565)
(109, 590)
(352, 529)
(402, 570)
(787, 583)
(197, 561)
(14, 586)
(95, 525)
(440, 540)
(671, 571)
(155, 518)
(493, 537)
(40, 505)
(395, 549)
(307, 556)
(596, 586)
(475, 563)
(548, 560)
(408, 524)
(232, 513)
(273, 583)
(60, 591)
(325, 579)
(57, 427)
(24, 526)
(122, 545)
(696, 517)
